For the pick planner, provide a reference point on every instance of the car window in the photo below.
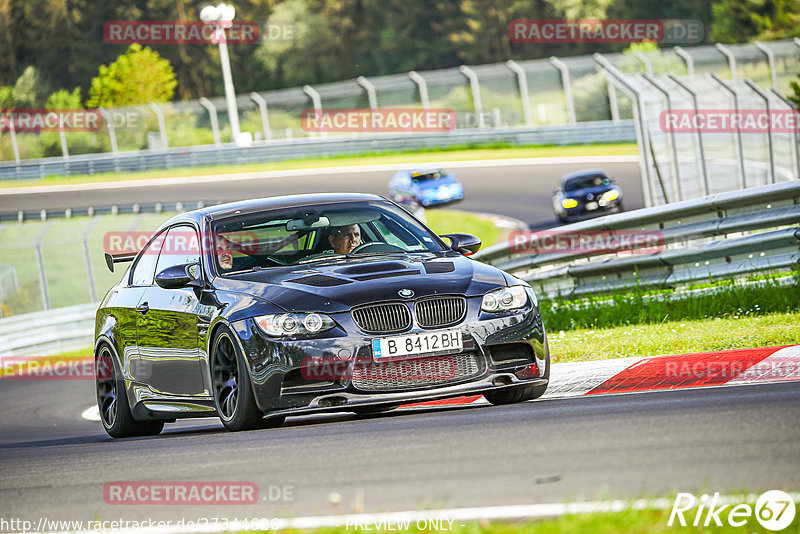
(585, 182)
(143, 270)
(292, 236)
(180, 246)
(425, 176)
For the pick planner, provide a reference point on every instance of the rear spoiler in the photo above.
(124, 257)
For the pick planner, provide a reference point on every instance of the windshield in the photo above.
(425, 176)
(586, 181)
(307, 234)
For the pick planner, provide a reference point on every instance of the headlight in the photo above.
(610, 196)
(505, 298)
(294, 324)
(569, 203)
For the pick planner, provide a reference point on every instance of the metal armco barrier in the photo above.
(231, 154)
(715, 237)
(56, 330)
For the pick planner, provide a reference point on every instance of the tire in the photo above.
(522, 393)
(233, 394)
(112, 400)
(373, 410)
(511, 395)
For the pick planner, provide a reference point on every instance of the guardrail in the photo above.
(280, 150)
(721, 236)
(48, 332)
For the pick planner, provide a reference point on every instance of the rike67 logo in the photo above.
(774, 510)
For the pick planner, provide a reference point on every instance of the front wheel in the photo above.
(514, 395)
(233, 394)
(522, 393)
(112, 401)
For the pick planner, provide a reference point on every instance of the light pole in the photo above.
(221, 17)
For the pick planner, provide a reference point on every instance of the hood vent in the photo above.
(372, 268)
(319, 280)
(407, 272)
(438, 267)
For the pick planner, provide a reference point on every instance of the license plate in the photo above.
(417, 344)
(591, 206)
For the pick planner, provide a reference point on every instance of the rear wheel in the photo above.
(233, 394)
(112, 401)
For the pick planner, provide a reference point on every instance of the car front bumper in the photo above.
(506, 347)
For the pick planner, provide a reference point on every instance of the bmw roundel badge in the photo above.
(406, 293)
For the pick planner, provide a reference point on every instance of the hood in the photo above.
(338, 285)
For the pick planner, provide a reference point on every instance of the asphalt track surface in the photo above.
(630, 445)
(520, 191)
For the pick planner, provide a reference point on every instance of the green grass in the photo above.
(456, 153)
(730, 299)
(674, 337)
(453, 221)
(64, 258)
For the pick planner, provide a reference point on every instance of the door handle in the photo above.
(143, 308)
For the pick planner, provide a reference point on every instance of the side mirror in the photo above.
(179, 276)
(466, 244)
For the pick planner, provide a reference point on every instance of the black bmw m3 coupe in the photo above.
(258, 310)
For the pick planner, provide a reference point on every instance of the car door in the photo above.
(167, 326)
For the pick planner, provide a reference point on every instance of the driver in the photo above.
(224, 253)
(344, 239)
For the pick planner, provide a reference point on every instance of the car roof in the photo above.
(220, 211)
(580, 174)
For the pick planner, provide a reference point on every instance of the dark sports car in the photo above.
(258, 310)
(586, 193)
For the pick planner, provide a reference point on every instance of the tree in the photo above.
(137, 77)
(30, 89)
(737, 21)
(795, 98)
(6, 97)
(63, 99)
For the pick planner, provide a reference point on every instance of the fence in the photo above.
(679, 163)
(722, 236)
(527, 94)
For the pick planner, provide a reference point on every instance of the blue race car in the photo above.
(426, 186)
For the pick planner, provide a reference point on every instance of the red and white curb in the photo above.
(628, 375)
